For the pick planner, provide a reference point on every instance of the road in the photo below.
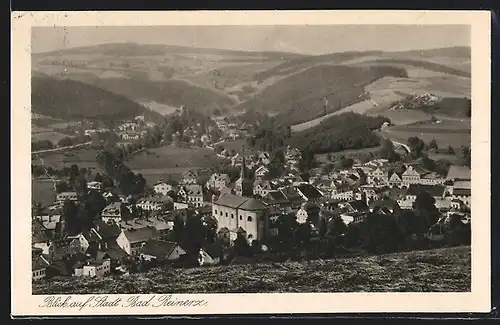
(62, 148)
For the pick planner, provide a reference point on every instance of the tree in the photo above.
(416, 146)
(465, 155)
(424, 207)
(380, 233)
(62, 186)
(98, 177)
(179, 227)
(451, 151)
(433, 145)
(346, 163)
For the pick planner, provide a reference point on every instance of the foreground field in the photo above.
(440, 270)
(173, 157)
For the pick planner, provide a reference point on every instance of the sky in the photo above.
(305, 39)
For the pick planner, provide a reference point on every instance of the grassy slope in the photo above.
(170, 92)
(440, 270)
(299, 98)
(69, 99)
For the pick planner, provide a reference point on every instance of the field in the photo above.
(359, 108)
(171, 162)
(48, 135)
(42, 190)
(440, 270)
(84, 157)
(443, 138)
(173, 157)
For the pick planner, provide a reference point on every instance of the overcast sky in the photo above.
(299, 39)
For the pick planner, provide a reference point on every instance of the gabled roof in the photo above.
(190, 173)
(385, 203)
(437, 190)
(38, 263)
(252, 205)
(358, 205)
(158, 248)
(309, 191)
(141, 234)
(240, 202)
(194, 189)
(276, 195)
(38, 232)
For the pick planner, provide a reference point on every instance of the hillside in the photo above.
(73, 100)
(440, 270)
(340, 132)
(170, 92)
(342, 85)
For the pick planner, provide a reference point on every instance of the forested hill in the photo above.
(341, 132)
(73, 100)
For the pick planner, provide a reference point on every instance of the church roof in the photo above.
(240, 202)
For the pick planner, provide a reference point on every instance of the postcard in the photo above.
(232, 162)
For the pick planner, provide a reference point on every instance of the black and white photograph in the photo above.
(287, 158)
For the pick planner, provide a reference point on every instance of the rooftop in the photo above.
(459, 173)
(240, 202)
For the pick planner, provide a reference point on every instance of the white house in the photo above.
(132, 240)
(163, 187)
(218, 181)
(93, 185)
(93, 268)
(39, 267)
(261, 172)
(112, 212)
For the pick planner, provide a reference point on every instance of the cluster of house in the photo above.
(133, 130)
(253, 206)
(249, 207)
(232, 131)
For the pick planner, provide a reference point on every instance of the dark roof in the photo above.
(240, 202)
(276, 197)
(141, 234)
(358, 205)
(107, 231)
(158, 248)
(206, 209)
(386, 203)
(114, 251)
(38, 232)
(309, 191)
(38, 263)
(462, 192)
(415, 189)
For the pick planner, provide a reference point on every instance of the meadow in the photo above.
(439, 270)
(443, 139)
(83, 157)
(42, 190)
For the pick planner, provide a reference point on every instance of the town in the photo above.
(258, 205)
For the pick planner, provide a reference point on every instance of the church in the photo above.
(241, 210)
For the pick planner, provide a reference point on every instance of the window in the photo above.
(232, 216)
(241, 217)
(226, 214)
(215, 212)
(249, 219)
(221, 213)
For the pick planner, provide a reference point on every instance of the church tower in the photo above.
(244, 186)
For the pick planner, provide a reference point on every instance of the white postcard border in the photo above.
(478, 300)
